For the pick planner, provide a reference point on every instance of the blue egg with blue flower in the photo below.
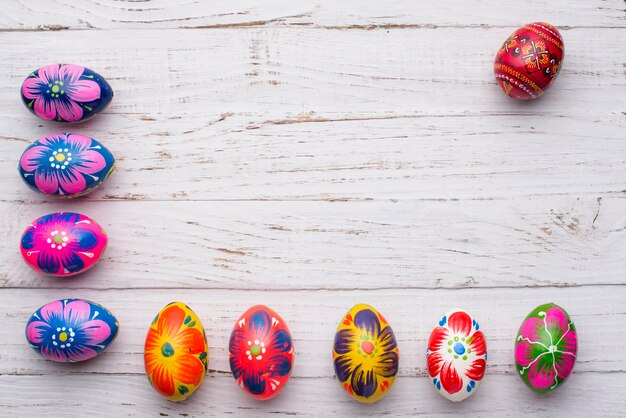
(66, 165)
(66, 93)
(71, 330)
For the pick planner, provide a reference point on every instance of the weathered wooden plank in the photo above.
(296, 71)
(597, 311)
(589, 394)
(350, 156)
(352, 14)
(547, 241)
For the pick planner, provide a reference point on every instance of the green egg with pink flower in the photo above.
(66, 93)
(545, 348)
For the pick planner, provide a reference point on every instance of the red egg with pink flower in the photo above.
(63, 244)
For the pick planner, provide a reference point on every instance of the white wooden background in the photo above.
(312, 155)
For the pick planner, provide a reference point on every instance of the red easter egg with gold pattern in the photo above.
(261, 352)
(529, 61)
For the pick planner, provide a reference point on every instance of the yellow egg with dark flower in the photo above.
(365, 354)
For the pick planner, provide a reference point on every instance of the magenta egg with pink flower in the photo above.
(71, 330)
(66, 165)
(63, 244)
(66, 93)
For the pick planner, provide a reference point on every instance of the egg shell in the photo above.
(63, 244)
(365, 354)
(261, 352)
(71, 330)
(66, 93)
(176, 352)
(456, 356)
(529, 61)
(545, 348)
(66, 165)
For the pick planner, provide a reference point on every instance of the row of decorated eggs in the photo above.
(261, 350)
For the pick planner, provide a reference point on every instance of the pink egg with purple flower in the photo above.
(66, 165)
(63, 244)
(71, 330)
(66, 93)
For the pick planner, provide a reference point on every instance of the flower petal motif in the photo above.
(84, 91)
(450, 379)
(36, 331)
(542, 373)
(477, 370)
(437, 338)
(460, 323)
(45, 109)
(31, 158)
(477, 343)
(456, 355)
(175, 352)
(364, 381)
(66, 331)
(365, 354)
(261, 352)
(76, 312)
(47, 182)
(367, 320)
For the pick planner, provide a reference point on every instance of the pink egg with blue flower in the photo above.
(66, 93)
(456, 355)
(66, 165)
(63, 244)
(71, 330)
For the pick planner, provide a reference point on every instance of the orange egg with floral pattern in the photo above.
(365, 354)
(176, 352)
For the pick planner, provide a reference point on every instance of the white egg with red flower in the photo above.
(457, 355)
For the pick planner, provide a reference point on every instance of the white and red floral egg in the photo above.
(456, 355)
(71, 330)
(63, 244)
(261, 352)
(66, 165)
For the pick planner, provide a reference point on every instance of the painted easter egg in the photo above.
(260, 352)
(66, 165)
(63, 244)
(529, 61)
(176, 352)
(456, 356)
(365, 354)
(66, 93)
(71, 330)
(545, 348)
